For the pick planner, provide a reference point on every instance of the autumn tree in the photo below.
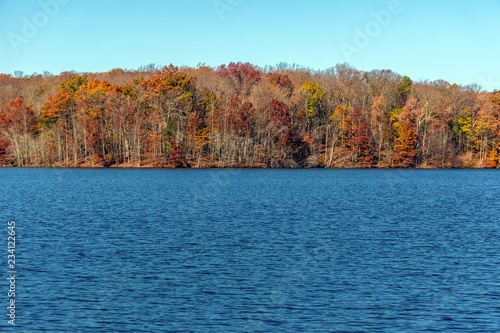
(73, 83)
(362, 140)
(169, 95)
(4, 146)
(314, 99)
(492, 159)
(115, 123)
(176, 156)
(18, 128)
(461, 126)
(239, 115)
(240, 76)
(58, 118)
(281, 84)
(405, 143)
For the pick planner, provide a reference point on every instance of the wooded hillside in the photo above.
(238, 115)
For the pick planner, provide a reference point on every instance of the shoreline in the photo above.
(233, 168)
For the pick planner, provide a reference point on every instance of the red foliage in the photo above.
(243, 117)
(176, 155)
(242, 76)
(227, 116)
(362, 139)
(4, 121)
(280, 117)
(4, 145)
(281, 81)
(19, 117)
(239, 116)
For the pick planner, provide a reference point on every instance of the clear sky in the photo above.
(454, 40)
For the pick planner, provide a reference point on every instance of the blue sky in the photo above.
(456, 41)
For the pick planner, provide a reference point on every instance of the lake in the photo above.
(150, 250)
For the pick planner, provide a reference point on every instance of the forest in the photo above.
(243, 116)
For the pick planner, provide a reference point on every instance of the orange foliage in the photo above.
(19, 117)
(492, 159)
(404, 147)
(55, 106)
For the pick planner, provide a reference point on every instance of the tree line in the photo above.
(239, 115)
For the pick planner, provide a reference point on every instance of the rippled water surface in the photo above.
(253, 250)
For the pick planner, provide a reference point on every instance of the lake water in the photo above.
(108, 250)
